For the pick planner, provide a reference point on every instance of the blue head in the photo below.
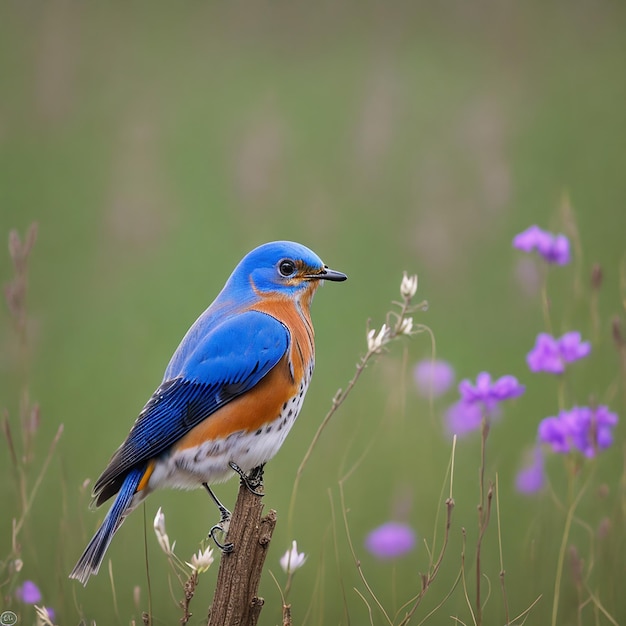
(282, 267)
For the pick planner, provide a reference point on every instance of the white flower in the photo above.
(202, 561)
(159, 529)
(408, 286)
(292, 559)
(370, 339)
(406, 326)
(376, 341)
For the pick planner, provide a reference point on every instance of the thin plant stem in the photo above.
(561, 557)
(482, 518)
(368, 605)
(443, 600)
(288, 583)
(484, 432)
(502, 572)
(526, 611)
(598, 605)
(463, 579)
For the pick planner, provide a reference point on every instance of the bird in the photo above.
(229, 395)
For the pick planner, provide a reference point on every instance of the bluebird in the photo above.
(230, 394)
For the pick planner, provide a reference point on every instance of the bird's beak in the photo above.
(328, 274)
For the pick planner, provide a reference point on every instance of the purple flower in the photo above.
(545, 356)
(480, 400)
(554, 431)
(433, 377)
(553, 248)
(506, 388)
(551, 355)
(28, 593)
(531, 478)
(582, 428)
(390, 540)
(572, 348)
(490, 393)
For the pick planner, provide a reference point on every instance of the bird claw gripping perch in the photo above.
(224, 547)
(253, 480)
(222, 525)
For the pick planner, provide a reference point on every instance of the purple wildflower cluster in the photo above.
(552, 355)
(553, 248)
(585, 429)
(489, 392)
(480, 400)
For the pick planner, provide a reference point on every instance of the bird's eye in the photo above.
(286, 267)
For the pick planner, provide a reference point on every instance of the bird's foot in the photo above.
(253, 480)
(222, 527)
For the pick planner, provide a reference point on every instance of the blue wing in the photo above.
(231, 359)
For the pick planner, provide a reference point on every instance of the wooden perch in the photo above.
(235, 602)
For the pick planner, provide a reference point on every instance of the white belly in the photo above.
(209, 462)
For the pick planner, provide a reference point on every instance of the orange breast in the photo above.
(248, 412)
(264, 402)
(298, 320)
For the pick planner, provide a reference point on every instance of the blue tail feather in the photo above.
(89, 562)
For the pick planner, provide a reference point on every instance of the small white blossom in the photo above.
(376, 341)
(202, 561)
(370, 339)
(292, 559)
(408, 286)
(159, 529)
(406, 326)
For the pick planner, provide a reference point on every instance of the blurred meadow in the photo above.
(156, 143)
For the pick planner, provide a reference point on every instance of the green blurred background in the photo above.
(156, 143)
